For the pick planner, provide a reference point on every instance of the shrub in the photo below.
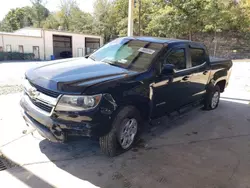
(16, 56)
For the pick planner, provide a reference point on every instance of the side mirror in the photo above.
(167, 69)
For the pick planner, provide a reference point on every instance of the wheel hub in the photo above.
(128, 132)
(215, 99)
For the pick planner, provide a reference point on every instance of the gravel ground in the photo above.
(12, 74)
(9, 89)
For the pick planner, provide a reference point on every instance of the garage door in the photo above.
(91, 44)
(62, 46)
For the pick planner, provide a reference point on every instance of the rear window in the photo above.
(197, 56)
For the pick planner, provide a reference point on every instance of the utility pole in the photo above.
(139, 1)
(130, 18)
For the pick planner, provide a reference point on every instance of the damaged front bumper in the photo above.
(57, 125)
(43, 130)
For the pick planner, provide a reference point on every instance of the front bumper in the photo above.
(43, 130)
(94, 123)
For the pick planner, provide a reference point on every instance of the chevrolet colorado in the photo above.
(109, 93)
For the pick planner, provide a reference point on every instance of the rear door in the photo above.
(199, 65)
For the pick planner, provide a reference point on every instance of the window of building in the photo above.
(177, 58)
(36, 52)
(8, 48)
(20, 48)
(197, 56)
(80, 52)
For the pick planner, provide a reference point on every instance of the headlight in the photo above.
(78, 103)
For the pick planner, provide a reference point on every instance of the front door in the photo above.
(170, 92)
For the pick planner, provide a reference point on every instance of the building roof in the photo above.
(19, 34)
(35, 31)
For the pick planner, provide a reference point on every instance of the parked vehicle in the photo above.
(109, 94)
(66, 54)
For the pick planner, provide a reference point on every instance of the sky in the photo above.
(52, 5)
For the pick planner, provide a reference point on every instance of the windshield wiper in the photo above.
(91, 58)
(112, 63)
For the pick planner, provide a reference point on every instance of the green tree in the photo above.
(178, 17)
(105, 19)
(65, 13)
(39, 12)
(70, 18)
(80, 22)
(120, 17)
(51, 22)
(16, 19)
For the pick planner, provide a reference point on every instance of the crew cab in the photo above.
(111, 92)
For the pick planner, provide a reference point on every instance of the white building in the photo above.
(45, 43)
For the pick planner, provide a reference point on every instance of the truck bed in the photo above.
(216, 60)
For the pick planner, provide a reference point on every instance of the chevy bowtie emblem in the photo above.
(33, 93)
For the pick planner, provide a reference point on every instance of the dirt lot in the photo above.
(198, 149)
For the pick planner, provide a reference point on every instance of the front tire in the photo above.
(125, 129)
(212, 98)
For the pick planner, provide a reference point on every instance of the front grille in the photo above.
(46, 91)
(42, 106)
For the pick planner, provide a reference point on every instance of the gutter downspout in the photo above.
(3, 43)
(44, 49)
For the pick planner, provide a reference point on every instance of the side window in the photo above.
(20, 48)
(177, 58)
(8, 48)
(197, 56)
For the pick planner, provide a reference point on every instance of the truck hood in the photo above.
(74, 75)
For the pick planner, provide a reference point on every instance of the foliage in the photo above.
(172, 18)
(65, 13)
(70, 18)
(104, 19)
(51, 22)
(16, 19)
(16, 56)
(39, 12)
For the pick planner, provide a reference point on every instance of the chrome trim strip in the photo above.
(160, 104)
(190, 68)
(27, 99)
(42, 98)
(45, 99)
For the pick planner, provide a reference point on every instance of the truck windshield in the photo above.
(128, 53)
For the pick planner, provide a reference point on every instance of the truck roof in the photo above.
(167, 40)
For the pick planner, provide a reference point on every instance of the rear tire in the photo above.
(212, 98)
(125, 129)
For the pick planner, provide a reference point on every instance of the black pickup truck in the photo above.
(109, 93)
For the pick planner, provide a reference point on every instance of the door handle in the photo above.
(185, 78)
(205, 72)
